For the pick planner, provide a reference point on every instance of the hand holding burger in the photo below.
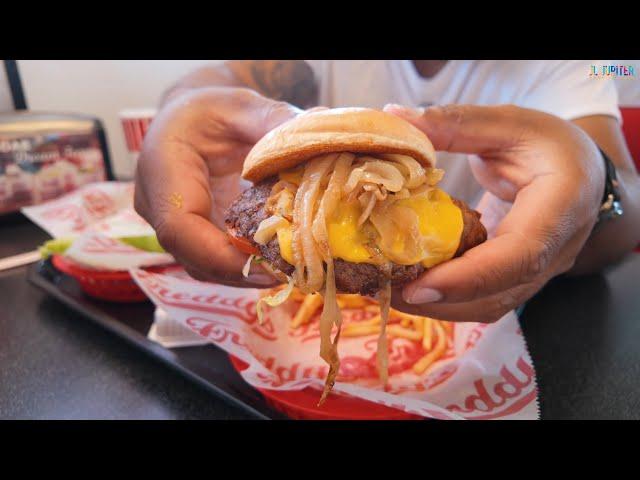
(189, 172)
(544, 179)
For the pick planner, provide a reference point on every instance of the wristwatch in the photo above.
(611, 206)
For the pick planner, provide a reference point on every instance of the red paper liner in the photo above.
(302, 404)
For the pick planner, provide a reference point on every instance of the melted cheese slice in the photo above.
(346, 240)
(285, 236)
(439, 221)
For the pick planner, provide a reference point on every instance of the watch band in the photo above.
(611, 206)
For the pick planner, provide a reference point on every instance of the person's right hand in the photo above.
(189, 172)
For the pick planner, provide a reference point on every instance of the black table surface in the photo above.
(583, 334)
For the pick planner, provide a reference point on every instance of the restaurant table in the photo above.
(583, 335)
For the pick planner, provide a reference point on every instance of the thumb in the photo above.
(474, 129)
(266, 115)
(277, 113)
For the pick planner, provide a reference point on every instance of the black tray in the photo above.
(206, 365)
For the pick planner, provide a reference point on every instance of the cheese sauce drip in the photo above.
(361, 209)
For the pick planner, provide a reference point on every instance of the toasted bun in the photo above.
(357, 130)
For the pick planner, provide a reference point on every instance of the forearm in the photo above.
(613, 239)
(290, 81)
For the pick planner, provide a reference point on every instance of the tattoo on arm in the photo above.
(286, 80)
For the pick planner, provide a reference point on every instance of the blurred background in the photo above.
(103, 88)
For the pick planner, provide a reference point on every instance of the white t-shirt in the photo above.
(562, 88)
(628, 87)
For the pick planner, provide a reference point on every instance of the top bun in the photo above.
(356, 130)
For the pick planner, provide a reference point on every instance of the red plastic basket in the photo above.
(302, 404)
(115, 286)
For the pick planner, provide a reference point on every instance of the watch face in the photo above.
(616, 210)
(608, 212)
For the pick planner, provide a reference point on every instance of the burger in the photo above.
(347, 200)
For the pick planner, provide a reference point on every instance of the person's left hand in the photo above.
(545, 181)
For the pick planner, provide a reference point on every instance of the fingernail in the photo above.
(261, 279)
(404, 111)
(423, 295)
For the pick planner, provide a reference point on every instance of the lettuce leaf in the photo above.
(56, 245)
(147, 243)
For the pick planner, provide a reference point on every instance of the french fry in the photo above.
(297, 296)
(402, 315)
(351, 301)
(418, 323)
(355, 330)
(448, 326)
(427, 338)
(372, 321)
(425, 362)
(398, 331)
(407, 320)
(310, 304)
(411, 327)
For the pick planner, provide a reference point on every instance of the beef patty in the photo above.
(245, 214)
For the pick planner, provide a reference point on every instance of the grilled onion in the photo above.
(328, 203)
(274, 300)
(434, 175)
(309, 272)
(367, 202)
(330, 311)
(268, 228)
(414, 172)
(382, 351)
(281, 202)
(330, 315)
(398, 229)
(377, 172)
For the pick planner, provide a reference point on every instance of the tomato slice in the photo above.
(242, 244)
